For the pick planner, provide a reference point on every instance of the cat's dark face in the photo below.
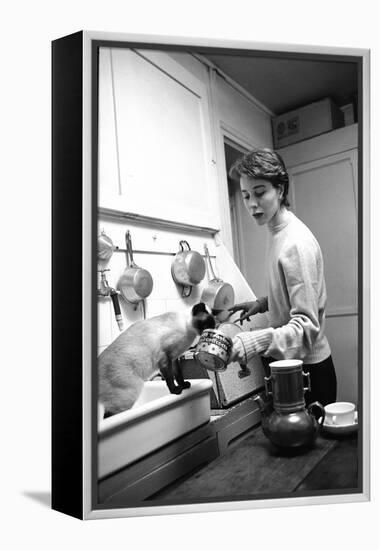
(202, 318)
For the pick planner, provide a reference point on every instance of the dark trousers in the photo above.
(323, 380)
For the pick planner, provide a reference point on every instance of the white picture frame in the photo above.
(76, 185)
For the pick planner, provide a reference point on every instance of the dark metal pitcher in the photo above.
(286, 421)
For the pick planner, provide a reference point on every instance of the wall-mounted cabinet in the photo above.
(155, 147)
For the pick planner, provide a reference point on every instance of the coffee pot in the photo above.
(286, 421)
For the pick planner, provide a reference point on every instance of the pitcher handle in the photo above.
(317, 405)
(268, 380)
(308, 381)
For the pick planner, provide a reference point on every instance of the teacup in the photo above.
(340, 413)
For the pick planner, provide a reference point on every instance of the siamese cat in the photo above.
(144, 349)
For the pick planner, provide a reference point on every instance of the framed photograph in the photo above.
(210, 275)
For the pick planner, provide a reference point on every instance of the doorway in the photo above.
(249, 240)
(232, 153)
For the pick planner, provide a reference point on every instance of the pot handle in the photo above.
(184, 246)
(186, 291)
(117, 310)
(229, 320)
(317, 405)
(209, 262)
(129, 249)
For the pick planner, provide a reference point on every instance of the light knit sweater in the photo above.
(296, 298)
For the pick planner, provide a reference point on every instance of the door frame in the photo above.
(234, 138)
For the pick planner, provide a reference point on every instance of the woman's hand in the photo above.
(248, 309)
(238, 352)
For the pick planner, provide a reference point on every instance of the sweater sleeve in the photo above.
(301, 272)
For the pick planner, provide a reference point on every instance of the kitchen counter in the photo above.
(253, 468)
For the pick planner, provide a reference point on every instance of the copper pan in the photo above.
(136, 283)
(218, 295)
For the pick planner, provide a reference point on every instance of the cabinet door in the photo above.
(324, 197)
(155, 156)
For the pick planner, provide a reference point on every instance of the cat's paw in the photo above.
(186, 385)
(177, 390)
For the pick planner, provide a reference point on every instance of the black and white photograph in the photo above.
(189, 297)
(225, 208)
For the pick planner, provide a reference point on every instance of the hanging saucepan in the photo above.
(187, 268)
(105, 247)
(218, 296)
(135, 284)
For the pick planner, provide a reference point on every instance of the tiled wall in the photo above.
(166, 294)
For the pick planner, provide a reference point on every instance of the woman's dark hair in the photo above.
(263, 164)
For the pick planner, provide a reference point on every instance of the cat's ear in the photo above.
(199, 308)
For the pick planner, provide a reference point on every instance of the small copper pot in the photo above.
(136, 283)
(217, 295)
(187, 268)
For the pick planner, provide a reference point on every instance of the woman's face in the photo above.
(261, 198)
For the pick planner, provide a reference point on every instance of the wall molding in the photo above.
(154, 222)
(341, 312)
(237, 87)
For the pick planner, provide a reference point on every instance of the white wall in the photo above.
(342, 333)
(238, 118)
(248, 125)
(166, 294)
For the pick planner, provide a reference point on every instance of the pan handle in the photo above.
(129, 249)
(209, 262)
(228, 319)
(184, 246)
(117, 310)
(186, 291)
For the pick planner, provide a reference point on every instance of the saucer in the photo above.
(342, 430)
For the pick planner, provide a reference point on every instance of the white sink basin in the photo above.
(156, 418)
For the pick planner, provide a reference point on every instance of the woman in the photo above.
(296, 286)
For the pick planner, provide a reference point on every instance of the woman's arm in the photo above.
(303, 275)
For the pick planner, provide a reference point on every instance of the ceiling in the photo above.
(286, 84)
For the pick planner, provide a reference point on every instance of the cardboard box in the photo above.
(309, 121)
